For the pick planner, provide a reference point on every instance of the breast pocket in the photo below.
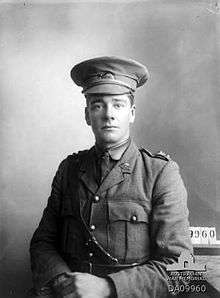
(128, 231)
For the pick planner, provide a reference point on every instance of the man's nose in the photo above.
(109, 113)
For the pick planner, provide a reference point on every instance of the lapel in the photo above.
(88, 170)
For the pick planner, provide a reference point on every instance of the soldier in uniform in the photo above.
(117, 215)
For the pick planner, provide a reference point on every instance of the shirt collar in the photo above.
(116, 151)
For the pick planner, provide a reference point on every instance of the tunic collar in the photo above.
(115, 152)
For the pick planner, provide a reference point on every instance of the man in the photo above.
(117, 215)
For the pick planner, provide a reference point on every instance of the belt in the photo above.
(103, 269)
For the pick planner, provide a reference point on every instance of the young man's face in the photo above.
(109, 117)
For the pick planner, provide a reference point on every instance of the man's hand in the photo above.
(84, 285)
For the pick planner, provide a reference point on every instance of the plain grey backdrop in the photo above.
(42, 111)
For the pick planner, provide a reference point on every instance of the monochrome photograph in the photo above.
(110, 149)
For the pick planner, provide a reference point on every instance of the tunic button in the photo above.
(96, 198)
(92, 227)
(134, 218)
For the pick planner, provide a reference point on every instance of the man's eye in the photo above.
(118, 105)
(96, 107)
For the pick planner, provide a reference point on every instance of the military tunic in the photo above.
(137, 223)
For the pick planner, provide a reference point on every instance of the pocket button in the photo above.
(134, 218)
(96, 199)
(92, 227)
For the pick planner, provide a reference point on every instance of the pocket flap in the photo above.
(127, 211)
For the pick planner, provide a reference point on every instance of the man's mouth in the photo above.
(108, 127)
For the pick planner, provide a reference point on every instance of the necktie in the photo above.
(104, 165)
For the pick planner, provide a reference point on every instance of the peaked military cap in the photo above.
(109, 75)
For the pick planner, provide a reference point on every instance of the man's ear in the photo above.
(132, 116)
(87, 116)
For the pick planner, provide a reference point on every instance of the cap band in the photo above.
(119, 83)
(112, 79)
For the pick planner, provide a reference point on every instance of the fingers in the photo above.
(89, 286)
(72, 295)
(66, 288)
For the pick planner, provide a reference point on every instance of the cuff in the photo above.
(42, 280)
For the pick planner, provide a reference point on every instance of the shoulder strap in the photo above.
(160, 154)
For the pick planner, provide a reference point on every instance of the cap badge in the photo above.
(105, 75)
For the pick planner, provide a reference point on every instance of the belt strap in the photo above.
(90, 267)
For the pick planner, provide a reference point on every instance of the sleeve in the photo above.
(169, 234)
(46, 263)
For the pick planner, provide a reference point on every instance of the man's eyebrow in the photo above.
(95, 100)
(99, 100)
(119, 99)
